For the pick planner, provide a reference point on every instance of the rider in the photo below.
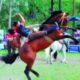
(19, 26)
(22, 30)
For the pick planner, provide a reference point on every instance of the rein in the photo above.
(62, 18)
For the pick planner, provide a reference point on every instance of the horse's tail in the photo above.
(10, 58)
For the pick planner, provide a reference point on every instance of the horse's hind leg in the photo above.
(55, 54)
(75, 40)
(28, 56)
(52, 53)
(34, 72)
(27, 71)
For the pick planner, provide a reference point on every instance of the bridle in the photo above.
(64, 15)
(61, 20)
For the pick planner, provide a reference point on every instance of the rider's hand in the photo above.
(18, 14)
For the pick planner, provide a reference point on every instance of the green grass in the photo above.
(55, 71)
(73, 54)
(58, 72)
(3, 52)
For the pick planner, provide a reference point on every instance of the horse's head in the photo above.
(57, 16)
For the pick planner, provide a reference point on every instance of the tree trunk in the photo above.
(0, 5)
(10, 13)
(74, 11)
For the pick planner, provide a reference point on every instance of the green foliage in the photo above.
(34, 11)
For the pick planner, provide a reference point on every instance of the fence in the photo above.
(74, 48)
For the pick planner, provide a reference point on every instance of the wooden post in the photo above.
(10, 13)
(52, 9)
(74, 11)
(59, 4)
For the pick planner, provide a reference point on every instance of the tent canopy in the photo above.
(74, 18)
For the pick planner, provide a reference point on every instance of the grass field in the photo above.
(55, 71)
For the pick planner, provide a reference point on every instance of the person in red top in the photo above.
(10, 34)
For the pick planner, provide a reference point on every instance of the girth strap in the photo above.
(48, 38)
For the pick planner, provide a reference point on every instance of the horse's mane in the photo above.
(52, 15)
(49, 19)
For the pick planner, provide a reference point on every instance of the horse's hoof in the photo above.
(37, 74)
(50, 63)
(63, 61)
(54, 60)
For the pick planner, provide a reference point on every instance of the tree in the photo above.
(74, 11)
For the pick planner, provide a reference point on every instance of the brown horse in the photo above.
(28, 51)
(13, 43)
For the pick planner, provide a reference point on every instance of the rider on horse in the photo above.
(26, 32)
(20, 28)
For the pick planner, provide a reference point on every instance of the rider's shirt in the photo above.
(23, 31)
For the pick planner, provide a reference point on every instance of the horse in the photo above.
(29, 49)
(55, 48)
(13, 42)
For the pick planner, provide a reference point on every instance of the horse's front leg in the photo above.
(47, 52)
(9, 49)
(51, 55)
(27, 71)
(64, 60)
(68, 36)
